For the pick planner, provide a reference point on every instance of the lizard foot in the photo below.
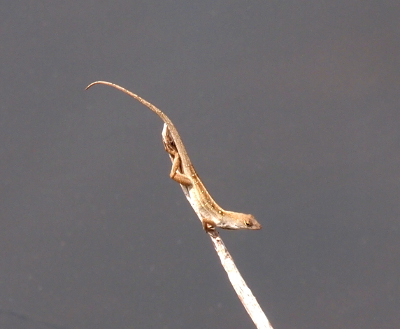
(208, 225)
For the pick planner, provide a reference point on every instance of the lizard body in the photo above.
(183, 172)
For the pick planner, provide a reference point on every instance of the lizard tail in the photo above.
(138, 98)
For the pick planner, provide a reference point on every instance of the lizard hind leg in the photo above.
(180, 178)
(176, 167)
(176, 170)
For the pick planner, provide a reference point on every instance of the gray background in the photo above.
(289, 111)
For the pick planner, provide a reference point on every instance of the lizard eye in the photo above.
(247, 223)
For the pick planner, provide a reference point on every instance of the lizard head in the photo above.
(250, 222)
(239, 221)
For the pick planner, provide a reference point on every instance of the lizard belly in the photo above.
(205, 207)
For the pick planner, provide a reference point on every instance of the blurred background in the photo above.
(289, 110)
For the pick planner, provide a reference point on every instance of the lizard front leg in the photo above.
(208, 225)
(176, 170)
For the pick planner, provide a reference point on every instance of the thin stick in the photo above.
(240, 221)
(242, 290)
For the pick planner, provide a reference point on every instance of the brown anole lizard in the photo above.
(183, 172)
